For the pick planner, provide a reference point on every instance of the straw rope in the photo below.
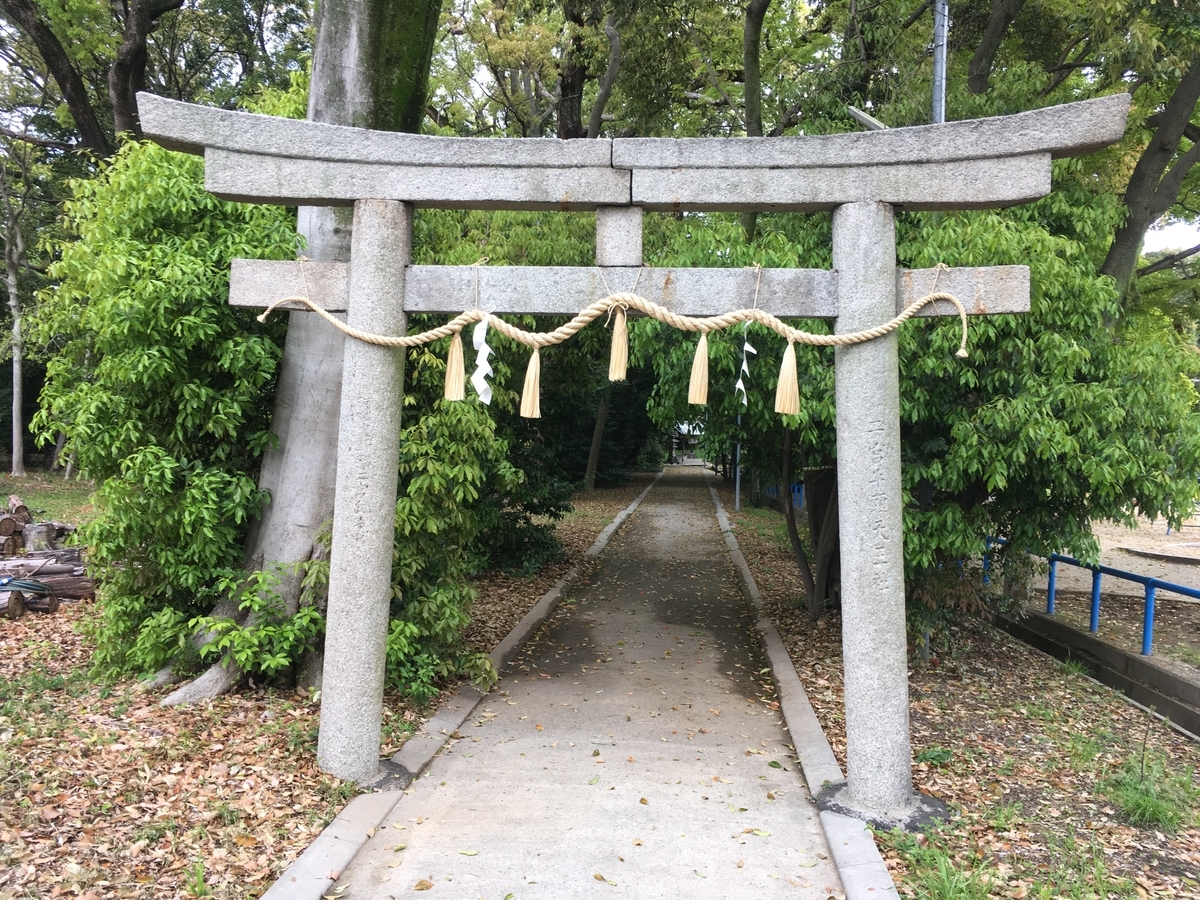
(628, 301)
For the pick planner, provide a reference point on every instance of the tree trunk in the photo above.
(820, 495)
(349, 87)
(572, 76)
(604, 90)
(1153, 187)
(789, 508)
(979, 71)
(756, 12)
(827, 551)
(14, 249)
(589, 476)
(128, 73)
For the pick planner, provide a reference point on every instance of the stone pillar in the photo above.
(619, 236)
(360, 568)
(874, 644)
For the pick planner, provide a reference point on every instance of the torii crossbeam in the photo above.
(861, 177)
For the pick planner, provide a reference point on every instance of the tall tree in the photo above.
(99, 55)
(1159, 175)
(370, 70)
(16, 188)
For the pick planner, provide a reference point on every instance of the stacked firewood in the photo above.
(35, 571)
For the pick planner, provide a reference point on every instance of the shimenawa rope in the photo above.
(787, 397)
(625, 302)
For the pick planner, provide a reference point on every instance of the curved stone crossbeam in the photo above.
(972, 164)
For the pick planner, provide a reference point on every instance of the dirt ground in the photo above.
(1019, 746)
(104, 795)
(1145, 550)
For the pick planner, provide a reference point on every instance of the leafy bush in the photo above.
(448, 460)
(162, 389)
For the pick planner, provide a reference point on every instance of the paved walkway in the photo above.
(626, 753)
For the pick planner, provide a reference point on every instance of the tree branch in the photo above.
(37, 141)
(979, 71)
(615, 55)
(712, 71)
(1167, 261)
(917, 13)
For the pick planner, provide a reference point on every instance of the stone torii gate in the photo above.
(861, 177)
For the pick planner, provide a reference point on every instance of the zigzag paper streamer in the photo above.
(482, 370)
(741, 385)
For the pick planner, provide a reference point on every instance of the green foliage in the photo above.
(938, 756)
(271, 640)
(446, 460)
(162, 389)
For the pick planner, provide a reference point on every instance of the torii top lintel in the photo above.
(971, 164)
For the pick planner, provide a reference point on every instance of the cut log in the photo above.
(42, 604)
(68, 587)
(14, 604)
(8, 524)
(22, 513)
(40, 537)
(25, 568)
(13, 544)
(62, 555)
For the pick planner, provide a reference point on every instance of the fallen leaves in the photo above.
(423, 885)
(128, 796)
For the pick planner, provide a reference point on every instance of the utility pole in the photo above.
(941, 29)
(737, 472)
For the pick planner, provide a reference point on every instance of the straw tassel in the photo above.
(531, 401)
(456, 375)
(618, 360)
(698, 386)
(787, 393)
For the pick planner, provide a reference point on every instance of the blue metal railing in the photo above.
(772, 491)
(1151, 585)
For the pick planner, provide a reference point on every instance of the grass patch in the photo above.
(935, 874)
(1073, 667)
(1149, 794)
(51, 498)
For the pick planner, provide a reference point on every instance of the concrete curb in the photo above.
(859, 864)
(320, 865)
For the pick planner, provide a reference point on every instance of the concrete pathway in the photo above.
(627, 753)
